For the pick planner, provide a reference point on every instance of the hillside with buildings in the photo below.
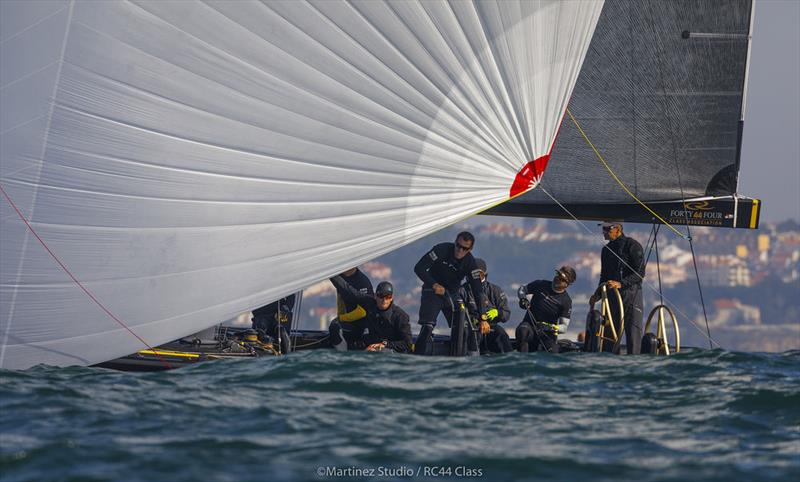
(750, 279)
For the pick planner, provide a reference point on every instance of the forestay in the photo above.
(188, 161)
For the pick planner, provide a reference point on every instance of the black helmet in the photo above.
(481, 264)
(567, 273)
(384, 289)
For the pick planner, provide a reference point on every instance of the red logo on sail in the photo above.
(529, 175)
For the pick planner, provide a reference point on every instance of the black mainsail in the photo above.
(661, 97)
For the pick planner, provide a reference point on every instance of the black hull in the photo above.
(180, 354)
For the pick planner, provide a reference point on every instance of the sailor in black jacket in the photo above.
(490, 336)
(622, 266)
(346, 331)
(275, 320)
(386, 323)
(441, 270)
(547, 313)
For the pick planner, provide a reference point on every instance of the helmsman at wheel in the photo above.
(622, 266)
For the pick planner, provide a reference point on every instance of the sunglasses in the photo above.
(384, 297)
(462, 247)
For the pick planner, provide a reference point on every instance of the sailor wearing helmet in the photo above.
(547, 313)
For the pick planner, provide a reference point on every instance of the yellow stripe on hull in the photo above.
(178, 354)
(754, 214)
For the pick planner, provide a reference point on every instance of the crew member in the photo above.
(275, 321)
(441, 270)
(490, 337)
(347, 328)
(386, 323)
(622, 266)
(547, 313)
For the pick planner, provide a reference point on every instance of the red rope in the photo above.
(69, 273)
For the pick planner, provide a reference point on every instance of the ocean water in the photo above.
(325, 415)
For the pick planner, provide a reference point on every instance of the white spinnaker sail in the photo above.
(187, 161)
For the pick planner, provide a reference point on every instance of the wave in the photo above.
(700, 414)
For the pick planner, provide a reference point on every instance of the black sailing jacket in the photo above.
(440, 265)
(496, 297)
(267, 312)
(612, 269)
(391, 325)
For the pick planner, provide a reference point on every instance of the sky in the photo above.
(770, 167)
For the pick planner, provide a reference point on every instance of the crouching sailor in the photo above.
(547, 313)
(346, 331)
(275, 321)
(491, 337)
(387, 324)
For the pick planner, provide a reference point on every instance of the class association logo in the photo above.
(701, 213)
(699, 206)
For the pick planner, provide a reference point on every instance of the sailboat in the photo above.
(167, 165)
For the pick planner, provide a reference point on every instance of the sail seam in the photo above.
(34, 24)
(447, 137)
(37, 176)
(69, 273)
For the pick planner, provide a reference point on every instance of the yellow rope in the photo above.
(608, 168)
(313, 342)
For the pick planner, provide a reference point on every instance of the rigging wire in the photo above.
(654, 247)
(672, 136)
(687, 237)
(658, 268)
(649, 244)
(617, 179)
(644, 282)
(699, 287)
(298, 307)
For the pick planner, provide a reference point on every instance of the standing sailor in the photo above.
(387, 324)
(346, 329)
(441, 270)
(547, 313)
(622, 266)
(491, 336)
(275, 321)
